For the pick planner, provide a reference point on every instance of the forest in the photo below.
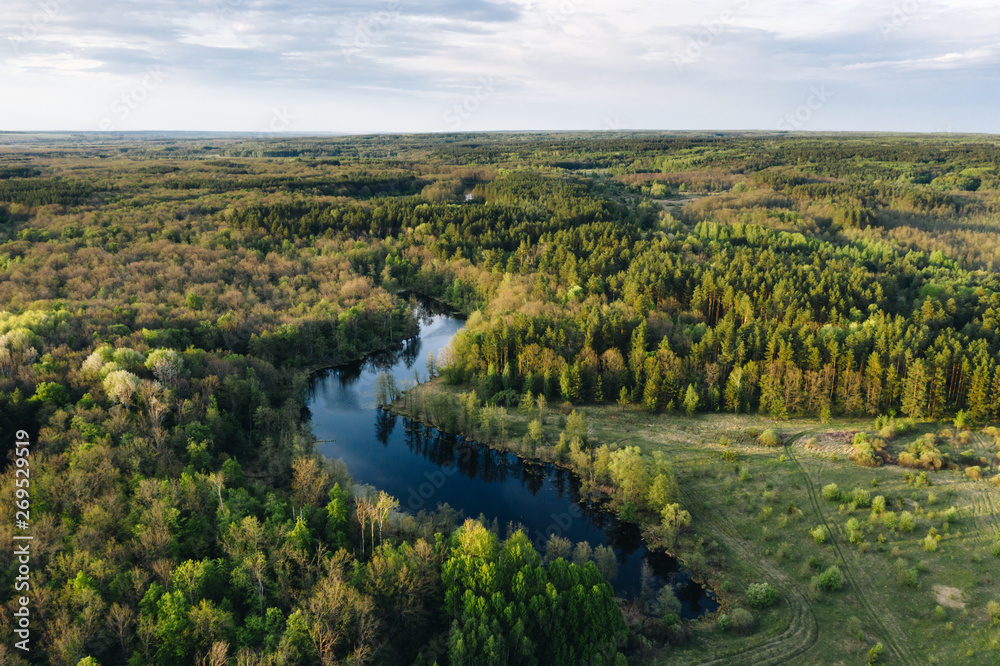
(163, 302)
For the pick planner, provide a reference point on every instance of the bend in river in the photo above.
(423, 467)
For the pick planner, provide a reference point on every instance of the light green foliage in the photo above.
(761, 595)
(819, 534)
(906, 521)
(860, 497)
(831, 492)
(165, 364)
(628, 472)
(691, 400)
(674, 518)
(121, 385)
(770, 438)
(661, 492)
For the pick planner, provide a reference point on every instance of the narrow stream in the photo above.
(424, 467)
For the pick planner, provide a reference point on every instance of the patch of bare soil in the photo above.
(950, 597)
(834, 441)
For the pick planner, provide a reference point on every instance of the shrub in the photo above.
(993, 608)
(860, 497)
(761, 595)
(741, 621)
(906, 522)
(922, 453)
(729, 455)
(940, 613)
(819, 534)
(874, 653)
(975, 473)
(907, 577)
(831, 492)
(723, 622)
(878, 504)
(769, 438)
(830, 580)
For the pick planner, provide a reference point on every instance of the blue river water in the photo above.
(423, 467)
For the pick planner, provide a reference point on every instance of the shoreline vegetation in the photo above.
(421, 405)
(779, 350)
(808, 502)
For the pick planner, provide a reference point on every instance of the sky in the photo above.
(274, 67)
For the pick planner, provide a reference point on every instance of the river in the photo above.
(423, 467)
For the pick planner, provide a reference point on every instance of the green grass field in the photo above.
(754, 510)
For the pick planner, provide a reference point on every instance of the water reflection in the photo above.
(424, 467)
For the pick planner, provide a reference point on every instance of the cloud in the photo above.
(971, 58)
(560, 63)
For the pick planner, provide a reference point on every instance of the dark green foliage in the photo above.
(740, 621)
(830, 580)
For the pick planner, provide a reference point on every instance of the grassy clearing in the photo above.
(764, 514)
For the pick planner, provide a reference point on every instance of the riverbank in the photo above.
(758, 515)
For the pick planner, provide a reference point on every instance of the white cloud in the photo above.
(562, 63)
(971, 58)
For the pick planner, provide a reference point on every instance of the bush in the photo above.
(831, 492)
(831, 580)
(769, 438)
(906, 522)
(761, 595)
(907, 577)
(741, 621)
(975, 473)
(819, 534)
(860, 497)
(723, 622)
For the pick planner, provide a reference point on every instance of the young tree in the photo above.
(674, 518)
(628, 472)
(384, 505)
(624, 398)
(691, 400)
